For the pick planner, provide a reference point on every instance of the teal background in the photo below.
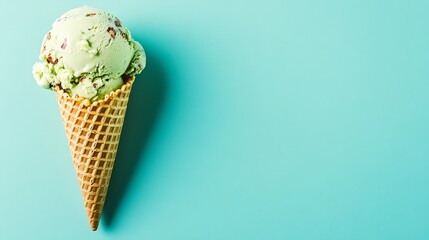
(270, 119)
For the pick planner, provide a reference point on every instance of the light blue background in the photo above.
(253, 120)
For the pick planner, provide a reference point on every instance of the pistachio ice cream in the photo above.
(87, 53)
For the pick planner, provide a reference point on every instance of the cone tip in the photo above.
(94, 225)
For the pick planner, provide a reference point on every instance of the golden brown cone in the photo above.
(93, 131)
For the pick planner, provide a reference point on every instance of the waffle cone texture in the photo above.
(93, 130)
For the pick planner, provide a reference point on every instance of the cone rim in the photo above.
(63, 95)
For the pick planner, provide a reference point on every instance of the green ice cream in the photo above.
(87, 53)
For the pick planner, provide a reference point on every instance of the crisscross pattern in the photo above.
(93, 131)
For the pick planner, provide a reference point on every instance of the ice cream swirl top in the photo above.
(87, 53)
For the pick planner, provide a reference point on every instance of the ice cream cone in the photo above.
(93, 131)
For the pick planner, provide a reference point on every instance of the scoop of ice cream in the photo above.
(87, 52)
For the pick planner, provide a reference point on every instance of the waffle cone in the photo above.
(93, 131)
